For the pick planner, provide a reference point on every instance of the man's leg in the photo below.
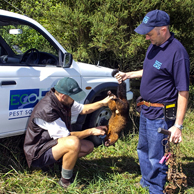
(142, 150)
(86, 148)
(69, 149)
(157, 174)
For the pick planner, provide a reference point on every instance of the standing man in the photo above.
(165, 80)
(49, 137)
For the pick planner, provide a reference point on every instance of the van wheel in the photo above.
(99, 118)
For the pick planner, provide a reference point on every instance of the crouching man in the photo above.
(49, 137)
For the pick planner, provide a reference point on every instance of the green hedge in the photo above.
(103, 30)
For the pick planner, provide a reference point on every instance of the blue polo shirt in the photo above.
(165, 72)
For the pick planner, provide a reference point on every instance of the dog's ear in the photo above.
(114, 72)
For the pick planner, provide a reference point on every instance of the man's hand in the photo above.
(106, 100)
(100, 130)
(121, 77)
(176, 135)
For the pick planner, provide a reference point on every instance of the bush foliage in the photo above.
(103, 30)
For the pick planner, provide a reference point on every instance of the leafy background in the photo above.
(103, 30)
(100, 30)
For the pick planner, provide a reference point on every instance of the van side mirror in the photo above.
(67, 60)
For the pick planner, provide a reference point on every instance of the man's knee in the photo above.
(73, 143)
(70, 143)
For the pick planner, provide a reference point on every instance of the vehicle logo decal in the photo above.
(22, 102)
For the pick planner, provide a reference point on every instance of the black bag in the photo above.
(170, 110)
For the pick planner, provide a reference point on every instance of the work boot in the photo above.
(65, 182)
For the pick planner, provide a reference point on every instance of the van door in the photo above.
(29, 67)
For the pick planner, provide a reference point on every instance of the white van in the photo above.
(31, 62)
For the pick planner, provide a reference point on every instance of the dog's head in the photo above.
(109, 93)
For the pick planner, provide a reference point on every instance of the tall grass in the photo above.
(113, 169)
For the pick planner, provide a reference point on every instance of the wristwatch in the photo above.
(179, 126)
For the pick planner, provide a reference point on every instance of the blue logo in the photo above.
(157, 64)
(145, 19)
(22, 102)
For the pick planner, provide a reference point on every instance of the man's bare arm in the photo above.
(176, 135)
(89, 108)
(100, 130)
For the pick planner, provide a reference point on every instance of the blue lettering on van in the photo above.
(22, 102)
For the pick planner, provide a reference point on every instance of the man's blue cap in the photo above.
(153, 19)
(70, 87)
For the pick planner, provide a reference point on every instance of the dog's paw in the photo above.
(107, 143)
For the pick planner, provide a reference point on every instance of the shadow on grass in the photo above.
(12, 158)
(104, 167)
(188, 169)
(90, 171)
(11, 154)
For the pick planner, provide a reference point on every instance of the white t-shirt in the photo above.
(57, 128)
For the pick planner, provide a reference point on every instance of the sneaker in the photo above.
(65, 182)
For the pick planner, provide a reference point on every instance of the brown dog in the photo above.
(120, 114)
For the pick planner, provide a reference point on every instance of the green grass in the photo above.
(109, 170)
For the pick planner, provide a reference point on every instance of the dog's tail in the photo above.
(121, 91)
